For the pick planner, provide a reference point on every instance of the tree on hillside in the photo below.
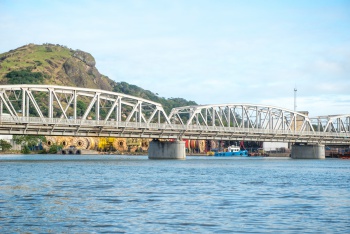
(24, 77)
(81, 107)
(168, 104)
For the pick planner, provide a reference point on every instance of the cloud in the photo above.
(248, 52)
(320, 105)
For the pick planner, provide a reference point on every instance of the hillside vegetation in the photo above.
(58, 65)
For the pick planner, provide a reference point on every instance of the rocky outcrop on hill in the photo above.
(59, 64)
(82, 71)
(85, 57)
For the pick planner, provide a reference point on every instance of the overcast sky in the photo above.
(210, 52)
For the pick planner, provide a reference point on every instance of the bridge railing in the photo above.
(176, 128)
(262, 131)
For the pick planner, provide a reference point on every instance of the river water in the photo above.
(132, 194)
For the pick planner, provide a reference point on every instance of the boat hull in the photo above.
(242, 153)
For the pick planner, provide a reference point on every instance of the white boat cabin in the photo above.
(233, 148)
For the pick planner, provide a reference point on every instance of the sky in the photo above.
(207, 51)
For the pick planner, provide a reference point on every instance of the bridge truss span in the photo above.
(244, 116)
(59, 109)
(332, 123)
(250, 122)
(70, 111)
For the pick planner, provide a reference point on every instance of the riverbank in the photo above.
(279, 155)
(11, 152)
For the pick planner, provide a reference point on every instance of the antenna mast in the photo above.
(295, 99)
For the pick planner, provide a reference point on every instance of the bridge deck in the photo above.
(64, 127)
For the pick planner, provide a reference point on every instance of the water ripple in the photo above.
(96, 194)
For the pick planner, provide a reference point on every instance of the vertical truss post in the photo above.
(75, 104)
(97, 107)
(118, 110)
(50, 103)
(248, 117)
(27, 104)
(213, 117)
(243, 119)
(158, 117)
(228, 117)
(206, 116)
(23, 102)
(140, 112)
(338, 125)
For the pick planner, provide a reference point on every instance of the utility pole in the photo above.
(295, 99)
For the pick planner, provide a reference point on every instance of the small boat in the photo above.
(233, 151)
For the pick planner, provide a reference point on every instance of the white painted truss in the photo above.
(69, 111)
(259, 122)
(332, 123)
(70, 103)
(241, 116)
(59, 108)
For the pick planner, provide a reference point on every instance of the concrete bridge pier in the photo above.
(167, 150)
(308, 151)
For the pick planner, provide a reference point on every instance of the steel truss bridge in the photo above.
(70, 111)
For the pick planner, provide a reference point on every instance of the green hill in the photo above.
(58, 65)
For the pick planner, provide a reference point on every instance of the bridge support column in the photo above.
(308, 151)
(166, 150)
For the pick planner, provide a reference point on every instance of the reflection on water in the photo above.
(95, 194)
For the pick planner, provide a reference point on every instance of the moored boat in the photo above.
(233, 151)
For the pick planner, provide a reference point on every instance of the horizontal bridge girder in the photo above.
(57, 127)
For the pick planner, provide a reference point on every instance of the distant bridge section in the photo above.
(70, 111)
(259, 123)
(332, 123)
